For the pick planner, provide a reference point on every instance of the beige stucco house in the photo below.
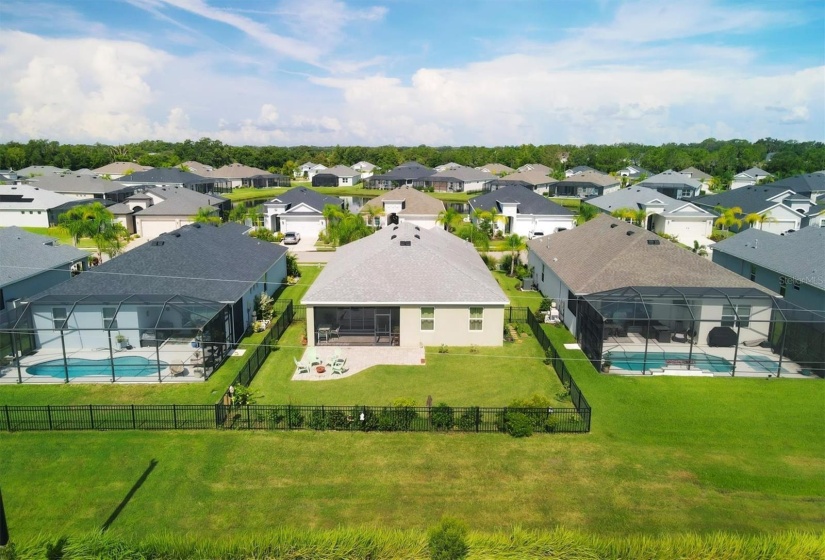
(404, 204)
(407, 286)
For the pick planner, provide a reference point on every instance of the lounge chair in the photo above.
(339, 367)
(335, 333)
(312, 356)
(335, 358)
(302, 367)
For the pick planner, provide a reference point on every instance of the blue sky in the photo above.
(406, 72)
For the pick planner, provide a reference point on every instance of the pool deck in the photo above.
(751, 361)
(171, 353)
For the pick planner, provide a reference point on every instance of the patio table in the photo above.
(323, 332)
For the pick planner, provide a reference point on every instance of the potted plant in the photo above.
(606, 363)
(304, 339)
(122, 341)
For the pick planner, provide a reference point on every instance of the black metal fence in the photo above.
(299, 312)
(285, 417)
(256, 358)
(516, 314)
(576, 395)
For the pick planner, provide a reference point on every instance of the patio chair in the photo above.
(334, 358)
(335, 333)
(302, 367)
(312, 356)
(339, 367)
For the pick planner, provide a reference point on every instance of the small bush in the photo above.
(550, 424)
(243, 395)
(564, 394)
(448, 540)
(519, 425)
(473, 349)
(443, 349)
(490, 261)
(442, 417)
(279, 237)
(467, 421)
(317, 420)
(546, 304)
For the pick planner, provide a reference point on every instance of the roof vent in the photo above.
(395, 228)
(653, 242)
(613, 225)
(406, 243)
(393, 237)
(630, 233)
(157, 243)
(176, 234)
(417, 236)
(198, 226)
(417, 228)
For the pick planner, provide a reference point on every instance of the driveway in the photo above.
(307, 243)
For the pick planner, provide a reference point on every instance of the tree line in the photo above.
(720, 158)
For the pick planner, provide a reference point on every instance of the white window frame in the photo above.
(430, 321)
(111, 317)
(60, 320)
(476, 321)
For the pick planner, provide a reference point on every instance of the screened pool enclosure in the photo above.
(115, 338)
(710, 331)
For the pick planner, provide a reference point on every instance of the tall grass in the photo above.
(376, 544)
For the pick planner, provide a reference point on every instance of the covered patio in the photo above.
(138, 338)
(695, 331)
(357, 326)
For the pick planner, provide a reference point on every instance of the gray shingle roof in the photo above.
(236, 171)
(635, 197)
(694, 173)
(600, 255)
(79, 184)
(409, 170)
(671, 179)
(40, 170)
(436, 268)
(341, 171)
(462, 174)
(415, 202)
(753, 172)
(752, 199)
(792, 254)
(534, 177)
(24, 254)
(206, 262)
(28, 197)
(166, 175)
(496, 168)
(529, 202)
(302, 195)
(592, 177)
(802, 184)
(118, 167)
(179, 201)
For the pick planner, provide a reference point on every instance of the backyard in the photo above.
(665, 455)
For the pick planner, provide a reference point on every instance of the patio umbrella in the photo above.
(4, 527)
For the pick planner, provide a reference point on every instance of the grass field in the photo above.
(517, 297)
(666, 455)
(62, 236)
(239, 195)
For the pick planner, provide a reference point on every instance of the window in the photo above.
(428, 318)
(753, 273)
(729, 315)
(572, 303)
(476, 318)
(783, 285)
(109, 321)
(59, 317)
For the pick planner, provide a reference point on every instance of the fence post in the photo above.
(248, 420)
(175, 416)
(49, 412)
(92, 416)
(134, 420)
(8, 418)
(478, 418)
(289, 417)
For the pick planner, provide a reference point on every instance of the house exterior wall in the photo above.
(795, 290)
(24, 218)
(307, 226)
(526, 224)
(426, 222)
(34, 284)
(451, 327)
(551, 286)
(269, 282)
(349, 181)
(90, 319)
(475, 186)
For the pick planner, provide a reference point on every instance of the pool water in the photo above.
(126, 366)
(634, 361)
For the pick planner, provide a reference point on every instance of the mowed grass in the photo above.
(492, 377)
(62, 236)
(518, 298)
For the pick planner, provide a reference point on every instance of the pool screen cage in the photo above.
(719, 329)
(131, 338)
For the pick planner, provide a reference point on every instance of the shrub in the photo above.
(504, 263)
(443, 349)
(490, 261)
(337, 420)
(546, 305)
(278, 237)
(448, 540)
(292, 265)
(399, 416)
(398, 402)
(519, 425)
(243, 395)
(467, 421)
(317, 420)
(550, 424)
(263, 234)
(564, 394)
(473, 349)
(441, 417)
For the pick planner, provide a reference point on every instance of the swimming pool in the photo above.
(126, 366)
(634, 361)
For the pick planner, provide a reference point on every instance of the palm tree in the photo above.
(110, 239)
(728, 217)
(238, 213)
(206, 215)
(84, 221)
(475, 218)
(332, 214)
(372, 211)
(756, 218)
(624, 214)
(448, 218)
(495, 218)
(640, 217)
(515, 243)
(586, 213)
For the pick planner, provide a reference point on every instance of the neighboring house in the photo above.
(175, 177)
(38, 170)
(579, 169)
(698, 175)
(749, 177)
(338, 176)
(188, 267)
(538, 181)
(810, 185)
(634, 172)
(407, 286)
(680, 218)
(197, 168)
(160, 210)
(535, 167)
(402, 205)
(365, 168)
(238, 175)
(8, 176)
(585, 184)
(652, 307)
(673, 184)
(786, 264)
(29, 206)
(524, 212)
(409, 174)
(83, 186)
(448, 166)
(31, 263)
(815, 217)
(300, 210)
(496, 169)
(460, 179)
(308, 170)
(760, 200)
(118, 169)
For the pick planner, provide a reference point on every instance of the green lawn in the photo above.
(238, 195)
(572, 203)
(517, 297)
(62, 236)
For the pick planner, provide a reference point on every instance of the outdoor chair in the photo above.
(335, 333)
(302, 367)
(335, 358)
(314, 360)
(339, 366)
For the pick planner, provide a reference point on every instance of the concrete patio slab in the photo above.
(359, 358)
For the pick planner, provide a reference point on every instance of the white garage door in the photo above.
(152, 228)
(306, 226)
(777, 227)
